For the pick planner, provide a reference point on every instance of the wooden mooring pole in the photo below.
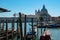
(41, 28)
(20, 24)
(17, 30)
(3, 26)
(12, 29)
(25, 28)
(32, 29)
(0, 24)
(37, 29)
(0, 27)
(6, 29)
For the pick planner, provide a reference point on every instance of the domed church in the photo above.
(43, 13)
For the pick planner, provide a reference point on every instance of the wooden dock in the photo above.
(3, 35)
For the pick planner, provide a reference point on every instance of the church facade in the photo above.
(43, 13)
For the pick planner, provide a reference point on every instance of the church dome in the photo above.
(44, 9)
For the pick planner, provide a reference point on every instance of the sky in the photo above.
(29, 6)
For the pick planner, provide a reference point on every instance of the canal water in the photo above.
(55, 32)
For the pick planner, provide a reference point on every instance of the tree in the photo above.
(41, 19)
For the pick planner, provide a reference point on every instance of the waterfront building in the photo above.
(55, 19)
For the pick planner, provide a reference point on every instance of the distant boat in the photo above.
(33, 24)
(55, 25)
(46, 26)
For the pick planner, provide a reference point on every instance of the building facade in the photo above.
(55, 19)
(43, 13)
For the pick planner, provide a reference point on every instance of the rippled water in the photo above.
(55, 33)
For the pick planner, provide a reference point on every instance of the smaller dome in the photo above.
(35, 11)
(38, 11)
